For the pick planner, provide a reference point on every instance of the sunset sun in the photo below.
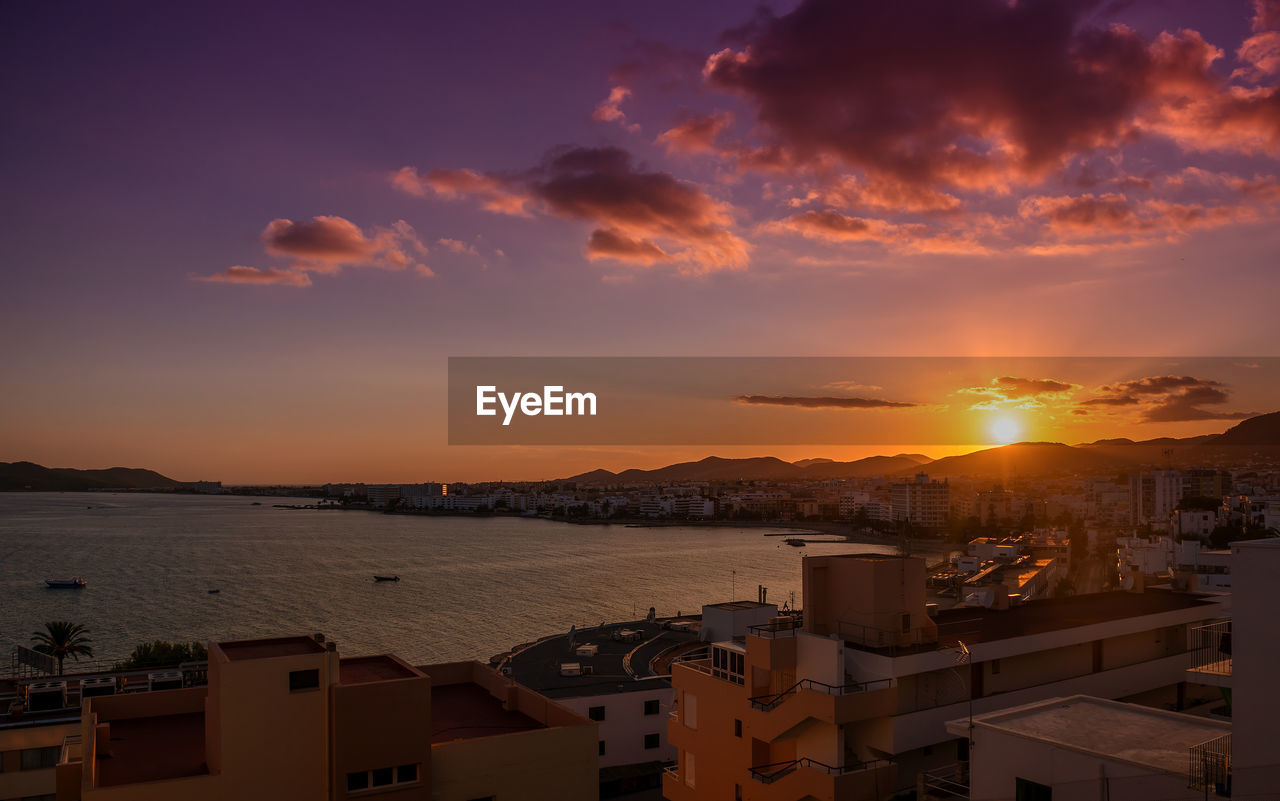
(1006, 430)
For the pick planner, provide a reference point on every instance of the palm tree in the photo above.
(62, 639)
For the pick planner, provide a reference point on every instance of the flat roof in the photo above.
(978, 624)
(538, 666)
(368, 669)
(153, 748)
(237, 650)
(1109, 729)
(466, 710)
(734, 606)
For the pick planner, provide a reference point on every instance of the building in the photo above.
(381, 495)
(1085, 748)
(617, 676)
(856, 700)
(921, 502)
(288, 718)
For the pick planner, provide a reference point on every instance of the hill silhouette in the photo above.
(20, 476)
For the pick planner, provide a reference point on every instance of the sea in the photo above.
(470, 587)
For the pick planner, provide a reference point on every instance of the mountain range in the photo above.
(1255, 436)
(18, 476)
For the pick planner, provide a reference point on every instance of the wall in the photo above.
(15, 782)
(382, 725)
(555, 763)
(999, 759)
(625, 724)
(1255, 653)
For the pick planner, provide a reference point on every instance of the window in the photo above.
(382, 777)
(1026, 790)
(689, 711)
(906, 622)
(728, 665)
(596, 713)
(688, 770)
(995, 667)
(737, 792)
(303, 680)
(737, 728)
(600, 748)
(40, 758)
(651, 707)
(650, 741)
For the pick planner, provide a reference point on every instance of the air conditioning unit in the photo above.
(43, 696)
(165, 680)
(98, 685)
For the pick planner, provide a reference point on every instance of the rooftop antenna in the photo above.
(733, 585)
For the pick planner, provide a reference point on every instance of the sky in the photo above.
(241, 240)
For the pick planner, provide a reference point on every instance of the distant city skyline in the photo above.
(242, 239)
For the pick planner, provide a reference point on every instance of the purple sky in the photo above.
(219, 266)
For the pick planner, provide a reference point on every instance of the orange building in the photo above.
(288, 718)
(853, 704)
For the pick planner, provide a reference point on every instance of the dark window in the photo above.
(737, 728)
(906, 622)
(651, 707)
(1025, 790)
(484, 798)
(406, 773)
(303, 680)
(737, 792)
(358, 781)
(41, 758)
(995, 667)
(596, 713)
(381, 777)
(600, 748)
(651, 741)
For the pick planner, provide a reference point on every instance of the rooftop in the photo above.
(1126, 732)
(977, 624)
(538, 666)
(466, 710)
(368, 669)
(737, 606)
(237, 650)
(149, 749)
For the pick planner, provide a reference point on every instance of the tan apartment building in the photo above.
(288, 718)
(853, 703)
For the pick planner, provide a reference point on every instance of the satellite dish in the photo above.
(1127, 582)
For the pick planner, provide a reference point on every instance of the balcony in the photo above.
(773, 716)
(1210, 767)
(1211, 654)
(808, 777)
(779, 628)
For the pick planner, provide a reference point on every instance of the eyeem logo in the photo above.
(553, 402)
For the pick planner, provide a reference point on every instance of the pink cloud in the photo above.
(252, 275)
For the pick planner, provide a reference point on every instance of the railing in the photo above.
(768, 774)
(1211, 648)
(1210, 767)
(779, 628)
(702, 664)
(72, 750)
(871, 637)
(951, 781)
(767, 703)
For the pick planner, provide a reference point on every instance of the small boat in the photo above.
(73, 583)
(386, 578)
(214, 592)
(794, 542)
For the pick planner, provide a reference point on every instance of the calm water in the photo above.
(469, 588)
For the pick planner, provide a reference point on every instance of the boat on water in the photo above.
(214, 592)
(73, 583)
(794, 542)
(386, 578)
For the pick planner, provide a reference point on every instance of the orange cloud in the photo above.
(252, 275)
(494, 194)
(695, 135)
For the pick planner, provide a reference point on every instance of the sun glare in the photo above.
(1006, 430)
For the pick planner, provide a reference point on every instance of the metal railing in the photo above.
(1211, 648)
(1210, 766)
(872, 637)
(778, 628)
(767, 703)
(772, 772)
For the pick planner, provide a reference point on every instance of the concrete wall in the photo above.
(999, 759)
(15, 782)
(555, 763)
(625, 724)
(1255, 636)
(383, 725)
